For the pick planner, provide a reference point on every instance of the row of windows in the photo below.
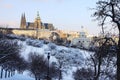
(83, 41)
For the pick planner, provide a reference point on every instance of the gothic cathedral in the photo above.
(37, 24)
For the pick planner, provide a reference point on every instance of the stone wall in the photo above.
(37, 33)
(33, 33)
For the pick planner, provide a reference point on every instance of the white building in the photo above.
(82, 41)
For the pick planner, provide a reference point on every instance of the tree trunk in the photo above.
(99, 68)
(35, 77)
(118, 56)
(60, 75)
(1, 73)
(11, 73)
(8, 73)
(60, 72)
(95, 65)
(5, 73)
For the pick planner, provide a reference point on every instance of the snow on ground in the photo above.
(69, 75)
(19, 77)
(71, 55)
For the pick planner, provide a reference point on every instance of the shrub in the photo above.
(83, 74)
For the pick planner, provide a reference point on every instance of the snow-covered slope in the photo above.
(72, 58)
(17, 76)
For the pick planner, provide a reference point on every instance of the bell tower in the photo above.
(23, 22)
(37, 23)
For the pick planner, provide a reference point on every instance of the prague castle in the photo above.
(37, 24)
(36, 29)
(40, 30)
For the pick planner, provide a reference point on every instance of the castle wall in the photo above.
(38, 33)
(43, 33)
(34, 33)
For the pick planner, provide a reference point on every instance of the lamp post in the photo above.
(48, 77)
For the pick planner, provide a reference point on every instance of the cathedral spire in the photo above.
(24, 18)
(23, 22)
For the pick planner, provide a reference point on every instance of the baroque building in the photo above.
(37, 24)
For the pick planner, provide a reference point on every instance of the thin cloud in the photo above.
(7, 6)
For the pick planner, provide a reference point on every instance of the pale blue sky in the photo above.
(64, 14)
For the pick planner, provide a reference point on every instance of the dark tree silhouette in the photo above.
(110, 10)
(39, 66)
(103, 56)
(10, 59)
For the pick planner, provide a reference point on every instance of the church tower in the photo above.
(37, 23)
(23, 22)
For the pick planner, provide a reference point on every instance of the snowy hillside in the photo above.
(70, 57)
(67, 59)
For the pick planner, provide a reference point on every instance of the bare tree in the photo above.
(104, 56)
(110, 10)
(39, 67)
(10, 59)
